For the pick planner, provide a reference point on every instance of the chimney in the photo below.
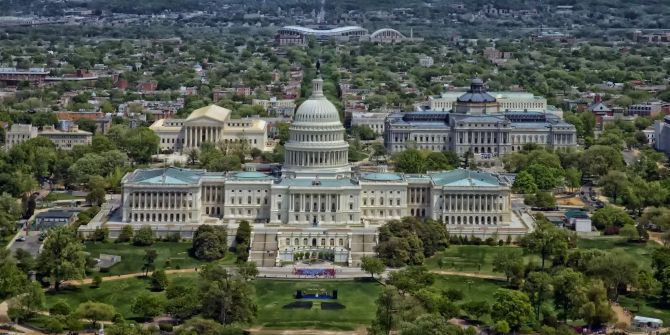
(597, 99)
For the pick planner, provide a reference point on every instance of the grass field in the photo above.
(55, 196)
(470, 258)
(118, 293)
(132, 256)
(359, 299)
(639, 251)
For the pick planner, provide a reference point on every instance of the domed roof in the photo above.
(476, 93)
(317, 109)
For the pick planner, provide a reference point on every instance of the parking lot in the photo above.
(31, 244)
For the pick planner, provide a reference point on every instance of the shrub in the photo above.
(159, 280)
(54, 325)
(144, 236)
(165, 326)
(97, 280)
(126, 234)
(60, 308)
(174, 237)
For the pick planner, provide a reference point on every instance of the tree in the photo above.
(538, 288)
(614, 183)
(546, 241)
(524, 183)
(609, 216)
(545, 177)
(629, 232)
(512, 307)
(12, 281)
(411, 279)
(25, 305)
(541, 200)
(247, 270)
(387, 308)
(10, 211)
(61, 307)
(182, 300)
(149, 258)
(144, 236)
(477, 309)
(159, 280)
(409, 161)
(95, 311)
(599, 159)
(126, 234)
(597, 310)
(202, 326)
(501, 327)
(573, 178)
(147, 305)
(62, 256)
(225, 298)
(569, 293)
(209, 243)
(372, 265)
(96, 191)
(140, 143)
(242, 240)
(510, 262)
(615, 268)
(428, 324)
(97, 280)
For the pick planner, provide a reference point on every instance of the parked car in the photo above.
(21, 239)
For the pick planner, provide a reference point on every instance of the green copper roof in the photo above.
(385, 176)
(465, 178)
(252, 175)
(173, 176)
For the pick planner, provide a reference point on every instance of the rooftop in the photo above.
(381, 176)
(461, 177)
(164, 176)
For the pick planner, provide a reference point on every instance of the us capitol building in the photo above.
(318, 204)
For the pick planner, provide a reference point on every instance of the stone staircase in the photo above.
(264, 249)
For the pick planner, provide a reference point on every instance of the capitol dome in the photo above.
(317, 109)
(316, 145)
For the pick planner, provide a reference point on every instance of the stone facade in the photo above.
(476, 124)
(63, 139)
(317, 204)
(209, 124)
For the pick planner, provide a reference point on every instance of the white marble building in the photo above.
(209, 124)
(318, 204)
(476, 124)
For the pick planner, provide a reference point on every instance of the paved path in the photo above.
(121, 277)
(621, 315)
(469, 274)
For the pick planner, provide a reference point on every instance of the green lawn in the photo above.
(474, 289)
(118, 293)
(470, 258)
(132, 256)
(358, 297)
(646, 308)
(640, 251)
(55, 196)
